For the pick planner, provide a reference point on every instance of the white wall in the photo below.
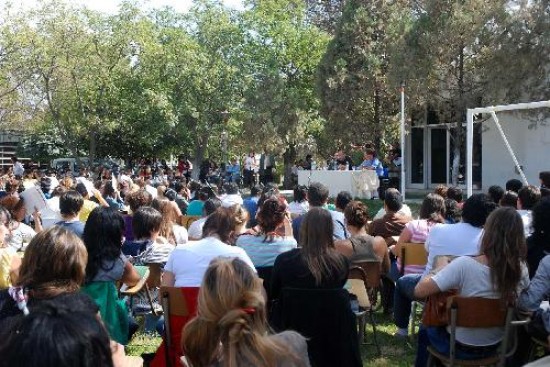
(529, 136)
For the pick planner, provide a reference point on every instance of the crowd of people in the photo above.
(62, 264)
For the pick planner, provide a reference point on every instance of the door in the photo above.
(416, 158)
(438, 156)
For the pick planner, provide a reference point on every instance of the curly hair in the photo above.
(271, 215)
(356, 214)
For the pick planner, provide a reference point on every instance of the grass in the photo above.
(394, 352)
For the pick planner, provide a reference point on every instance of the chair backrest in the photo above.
(476, 312)
(357, 279)
(324, 316)
(180, 306)
(412, 254)
(373, 272)
(187, 220)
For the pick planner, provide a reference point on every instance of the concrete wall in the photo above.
(529, 136)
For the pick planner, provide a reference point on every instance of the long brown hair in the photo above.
(317, 244)
(54, 263)
(169, 217)
(503, 243)
(433, 208)
(231, 321)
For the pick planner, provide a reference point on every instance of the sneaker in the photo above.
(401, 334)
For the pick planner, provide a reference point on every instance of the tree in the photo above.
(356, 99)
(441, 61)
(283, 51)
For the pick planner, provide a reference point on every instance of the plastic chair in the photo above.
(359, 287)
(180, 306)
(325, 318)
(475, 312)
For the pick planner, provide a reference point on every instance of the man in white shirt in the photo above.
(528, 196)
(460, 239)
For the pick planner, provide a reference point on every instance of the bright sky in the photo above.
(111, 6)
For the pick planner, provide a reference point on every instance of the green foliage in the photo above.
(356, 99)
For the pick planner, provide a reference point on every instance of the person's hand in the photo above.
(36, 215)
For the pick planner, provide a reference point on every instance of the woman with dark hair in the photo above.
(300, 205)
(187, 263)
(510, 199)
(103, 240)
(432, 212)
(55, 334)
(231, 329)
(272, 236)
(498, 272)
(112, 196)
(453, 211)
(361, 246)
(135, 200)
(53, 268)
(316, 263)
(538, 243)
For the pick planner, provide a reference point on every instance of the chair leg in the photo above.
(361, 331)
(374, 332)
(431, 360)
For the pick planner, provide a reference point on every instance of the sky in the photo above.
(111, 6)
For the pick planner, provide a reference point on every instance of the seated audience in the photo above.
(392, 223)
(496, 272)
(182, 194)
(432, 212)
(251, 204)
(342, 200)
(70, 204)
(360, 246)
(195, 229)
(316, 263)
(135, 200)
(87, 205)
(453, 212)
(538, 243)
(441, 190)
(528, 196)
(112, 196)
(510, 198)
(514, 185)
(169, 229)
(271, 237)
(232, 195)
(20, 233)
(299, 205)
(232, 329)
(455, 193)
(496, 193)
(54, 267)
(187, 263)
(460, 239)
(195, 206)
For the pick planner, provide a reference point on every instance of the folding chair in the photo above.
(180, 306)
(412, 254)
(150, 278)
(358, 280)
(475, 312)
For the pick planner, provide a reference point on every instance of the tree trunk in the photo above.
(460, 116)
(289, 157)
(200, 150)
(377, 119)
(92, 149)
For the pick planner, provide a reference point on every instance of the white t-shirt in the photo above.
(473, 279)
(180, 233)
(21, 236)
(189, 262)
(231, 199)
(249, 163)
(195, 229)
(298, 208)
(527, 218)
(459, 239)
(18, 169)
(51, 213)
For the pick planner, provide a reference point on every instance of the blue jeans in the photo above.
(403, 297)
(439, 338)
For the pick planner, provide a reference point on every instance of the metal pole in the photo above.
(402, 140)
(469, 151)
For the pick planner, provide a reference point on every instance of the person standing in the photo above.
(248, 169)
(18, 169)
(267, 164)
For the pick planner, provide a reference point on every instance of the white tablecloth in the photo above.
(359, 183)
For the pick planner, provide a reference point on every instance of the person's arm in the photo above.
(100, 198)
(14, 268)
(168, 279)
(539, 288)
(381, 250)
(449, 277)
(404, 237)
(37, 221)
(130, 276)
(426, 287)
(344, 247)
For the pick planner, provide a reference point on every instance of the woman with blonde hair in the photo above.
(9, 260)
(169, 229)
(231, 329)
